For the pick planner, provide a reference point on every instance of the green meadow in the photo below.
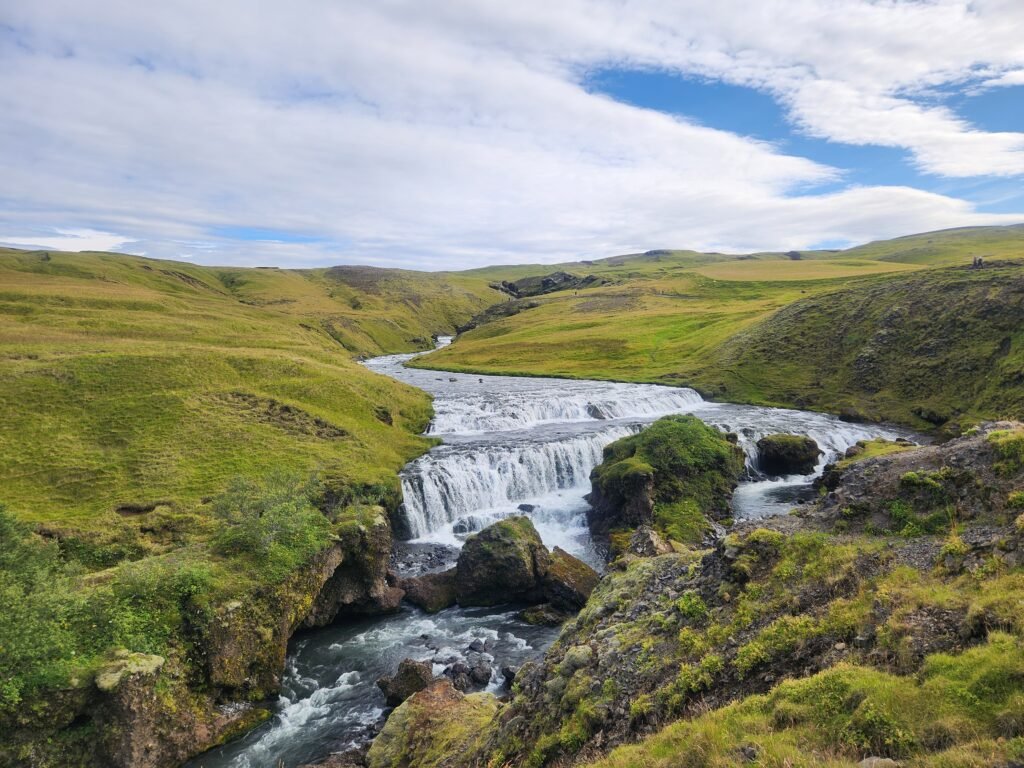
(782, 329)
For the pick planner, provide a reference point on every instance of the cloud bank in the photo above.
(459, 133)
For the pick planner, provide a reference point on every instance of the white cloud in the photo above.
(67, 240)
(457, 133)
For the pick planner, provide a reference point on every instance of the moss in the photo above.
(432, 727)
(687, 468)
(871, 449)
(960, 711)
(126, 664)
(1009, 448)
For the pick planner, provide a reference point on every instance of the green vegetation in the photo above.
(871, 449)
(965, 710)
(65, 622)
(890, 330)
(435, 727)
(681, 467)
(161, 421)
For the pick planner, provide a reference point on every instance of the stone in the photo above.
(787, 454)
(568, 581)
(412, 676)
(646, 542)
(504, 563)
(509, 673)
(432, 592)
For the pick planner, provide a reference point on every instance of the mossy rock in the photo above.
(432, 592)
(568, 581)
(432, 728)
(504, 563)
(787, 454)
(125, 665)
(674, 475)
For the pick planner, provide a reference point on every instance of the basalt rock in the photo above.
(437, 726)
(508, 563)
(504, 563)
(360, 584)
(412, 676)
(675, 476)
(787, 454)
(432, 592)
(568, 581)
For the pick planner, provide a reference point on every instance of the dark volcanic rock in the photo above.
(677, 475)
(432, 592)
(568, 581)
(504, 563)
(412, 676)
(646, 542)
(787, 454)
(507, 563)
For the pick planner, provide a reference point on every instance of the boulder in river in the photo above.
(674, 476)
(432, 592)
(787, 454)
(507, 563)
(412, 676)
(504, 563)
(568, 581)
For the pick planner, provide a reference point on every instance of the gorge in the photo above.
(510, 445)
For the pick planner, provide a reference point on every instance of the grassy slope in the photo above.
(677, 317)
(127, 380)
(133, 382)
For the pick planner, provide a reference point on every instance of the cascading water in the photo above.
(462, 479)
(511, 446)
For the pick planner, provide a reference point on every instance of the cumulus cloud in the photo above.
(458, 133)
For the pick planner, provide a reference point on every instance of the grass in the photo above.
(151, 410)
(886, 331)
(690, 468)
(128, 381)
(965, 710)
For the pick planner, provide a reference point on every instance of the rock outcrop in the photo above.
(508, 563)
(787, 454)
(412, 676)
(676, 476)
(432, 592)
(146, 711)
(360, 584)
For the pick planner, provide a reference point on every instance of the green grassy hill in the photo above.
(128, 381)
(160, 423)
(710, 321)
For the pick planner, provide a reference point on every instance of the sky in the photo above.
(458, 133)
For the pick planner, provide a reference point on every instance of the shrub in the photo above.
(274, 521)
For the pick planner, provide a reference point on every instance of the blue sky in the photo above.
(449, 135)
(759, 115)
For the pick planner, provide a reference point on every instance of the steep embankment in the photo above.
(884, 621)
(824, 330)
(162, 539)
(930, 348)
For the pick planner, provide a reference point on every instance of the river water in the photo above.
(511, 446)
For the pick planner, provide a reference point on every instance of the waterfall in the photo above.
(465, 481)
(574, 402)
(751, 423)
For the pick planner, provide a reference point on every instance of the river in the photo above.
(511, 445)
